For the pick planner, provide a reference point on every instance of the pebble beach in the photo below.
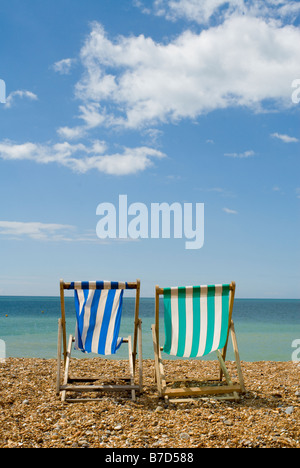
(32, 415)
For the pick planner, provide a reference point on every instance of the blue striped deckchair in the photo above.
(98, 306)
(98, 313)
(197, 322)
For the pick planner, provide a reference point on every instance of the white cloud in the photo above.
(247, 59)
(82, 158)
(63, 66)
(202, 11)
(229, 211)
(48, 232)
(19, 94)
(135, 81)
(285, 138)
(89, 113)
(34, 230)
(195, 10)
(72, 133)
(246, 154)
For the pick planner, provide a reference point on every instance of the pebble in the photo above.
(159, 409)
(289, 410)
(83, 443)
(228, 422)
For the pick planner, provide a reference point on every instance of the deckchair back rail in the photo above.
(100, 285)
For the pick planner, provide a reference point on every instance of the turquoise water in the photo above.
(265, 328)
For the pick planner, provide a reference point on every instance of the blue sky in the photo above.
(182, 101)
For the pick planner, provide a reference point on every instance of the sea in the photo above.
(266, 329)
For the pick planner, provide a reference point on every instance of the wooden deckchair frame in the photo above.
(71, 384)
(181, 394)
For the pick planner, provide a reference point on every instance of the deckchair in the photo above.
(197, 322)
(98, 306)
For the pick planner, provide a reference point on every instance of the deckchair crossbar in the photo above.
(102, 388)
(205, 390)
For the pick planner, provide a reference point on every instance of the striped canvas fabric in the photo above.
(98, 311)
(196, 319)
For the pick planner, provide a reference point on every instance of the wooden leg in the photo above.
(237, 358)
(159, 368)
(131, 367)
(140, 355)
(224, 351)
(224, 368)
(66, 376)
(162, 373)
(58, 356)
(226, 373)
(156, 362)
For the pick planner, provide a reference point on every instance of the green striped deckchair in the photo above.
(197, 322)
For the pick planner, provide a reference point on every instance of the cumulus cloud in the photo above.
(82, 158)
(45, 232)
(19, 94)
(34, 230)
(229, 211)
(195, 10)
(72, 133)
(91, 116)
(243, 55)
(135, 82)
(203, 11)
(285, 138)
(245, 154)
(63, 66)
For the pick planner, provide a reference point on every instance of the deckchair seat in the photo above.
(196, 319)
(98, 313)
